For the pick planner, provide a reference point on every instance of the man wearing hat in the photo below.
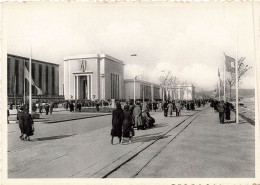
(221, 111)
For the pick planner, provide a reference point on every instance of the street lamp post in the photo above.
(134, 55)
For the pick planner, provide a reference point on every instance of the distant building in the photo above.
(93, 76)
(179, 92)
(148, 90)
(44, 74)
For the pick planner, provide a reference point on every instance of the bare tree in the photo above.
(242, 69)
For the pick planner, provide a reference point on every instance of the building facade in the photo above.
(93, 76)
(178, 92)
(143, 90)
(45, 76)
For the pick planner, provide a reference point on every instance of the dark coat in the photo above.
(228, 108)
(28, 124)
(117, 122)
(127, 123)
(221, 107)
(21, 120)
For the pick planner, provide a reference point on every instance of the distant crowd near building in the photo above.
(86, 77)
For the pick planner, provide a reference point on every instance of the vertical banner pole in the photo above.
(30, 81)
(224, 81)
(237, 121)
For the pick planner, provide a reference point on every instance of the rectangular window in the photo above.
(114, 86)
(8, 76)
(40, 76)
(53, 81)
(46, 80)
(16, 80)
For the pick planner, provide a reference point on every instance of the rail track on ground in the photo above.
(117, 167)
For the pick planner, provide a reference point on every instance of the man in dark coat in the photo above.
(21, 119)
(127, 124)
(51, 107)
(117, 122)
(47, 108)
(28, 125)
(165, 108)
(221, 110)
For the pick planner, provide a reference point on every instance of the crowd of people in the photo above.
(223, 108)
(124, 121)
(25, 122)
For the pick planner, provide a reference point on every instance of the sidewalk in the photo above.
(85, 155)
(61, 116)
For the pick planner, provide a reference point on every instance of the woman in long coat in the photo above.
(170, 108)
(117, 121)
(20, 118)
(138, 116)
(228, 107)
(127, 124)
(28, 125)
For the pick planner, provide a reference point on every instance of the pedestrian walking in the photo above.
(97, 106)
(170, 108)
(51, 107)
(47, 108)
(138, 116)
(117, 121)
(71, 105)
(165, 108)
(178, 109)
(28, 126)
(128, 131)
(40, 108)
(21, 118)
(228, 107)
(155, 107)
(221, 110)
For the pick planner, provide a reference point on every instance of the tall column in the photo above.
(20, 77)
(56, 69)
(152, 93)
(50, 80)
(12, 76)
(77, 77)
(36, 72)
(98, 78)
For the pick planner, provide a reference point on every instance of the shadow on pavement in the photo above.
(51, 137)
(147, 137)
(159, 125)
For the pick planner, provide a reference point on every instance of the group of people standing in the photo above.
(223, 108)
(169, 106)
(26, 124)
(124, 121)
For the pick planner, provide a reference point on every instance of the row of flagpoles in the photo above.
(229, 63)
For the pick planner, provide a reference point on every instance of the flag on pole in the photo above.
(26, 75)
(229, 62)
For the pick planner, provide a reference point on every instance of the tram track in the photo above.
(112, 169)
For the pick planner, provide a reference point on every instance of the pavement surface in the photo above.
(59, 115)
(81, 149)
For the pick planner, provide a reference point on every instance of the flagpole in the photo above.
(218, 91)
(237, 121)
(224, 79)
(30, 81)
(24, 82)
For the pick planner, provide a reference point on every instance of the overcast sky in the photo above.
(187, 39)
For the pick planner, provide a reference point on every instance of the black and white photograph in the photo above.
(137, 90)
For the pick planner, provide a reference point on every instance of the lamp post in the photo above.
(134, 55)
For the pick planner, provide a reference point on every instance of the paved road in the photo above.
(82, 148)
(207, 149)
